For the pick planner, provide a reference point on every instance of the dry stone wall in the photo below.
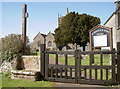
(31, 63)
(30, 66)
(5, 67)
(27, 63)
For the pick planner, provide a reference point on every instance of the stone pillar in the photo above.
(24, 25)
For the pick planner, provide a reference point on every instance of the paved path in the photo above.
(74, 85)
(81, 86)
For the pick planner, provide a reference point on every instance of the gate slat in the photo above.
(95, 74)
(79, 66)
(113, 67)
(51, 71)
(90, 74)
(85, 74)
(90, 64)
(106, 74)
(61, 72)
(101, 64)
(66, 62)
(101, 74)
(118, 62)
(70, 73)
(56, 69)
(46, 65)
(76, 66)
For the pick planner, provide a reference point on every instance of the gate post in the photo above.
(118, 62)
(42, 58)
(76, 65)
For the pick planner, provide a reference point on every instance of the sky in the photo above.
(43, 16)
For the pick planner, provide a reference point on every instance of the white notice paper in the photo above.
(100, 40)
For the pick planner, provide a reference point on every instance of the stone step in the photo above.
(26, 74)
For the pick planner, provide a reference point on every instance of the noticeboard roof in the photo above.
(98, 26)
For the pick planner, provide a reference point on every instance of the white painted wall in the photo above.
(112, 24)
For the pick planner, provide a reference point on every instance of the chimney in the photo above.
(117, 4)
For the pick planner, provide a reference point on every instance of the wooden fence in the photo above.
(79, 72)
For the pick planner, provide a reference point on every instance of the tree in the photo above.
(11, 45)
(74, 29)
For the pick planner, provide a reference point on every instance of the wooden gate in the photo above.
(99, 73)
(60, 72)
(80, 71)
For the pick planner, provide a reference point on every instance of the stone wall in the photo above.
(30, 66)
(31, 63)
(5, 67)
(26, 63)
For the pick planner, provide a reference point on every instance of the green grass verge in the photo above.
(38, 53)
(8, 82)
(61, 59)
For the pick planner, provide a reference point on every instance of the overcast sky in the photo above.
(43, 15)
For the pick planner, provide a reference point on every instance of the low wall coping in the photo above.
(24, 72)
(30, 56)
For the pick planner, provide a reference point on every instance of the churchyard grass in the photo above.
(61, 59)
(38, 53)
(8, 82)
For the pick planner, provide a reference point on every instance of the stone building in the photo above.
(38, 39)
(60, 17)
(50, 41)
(114, 23)
(44, 39)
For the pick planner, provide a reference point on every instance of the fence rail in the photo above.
(82, 52)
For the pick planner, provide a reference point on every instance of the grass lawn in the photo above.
(61, 59)
(8, 82)
(38, 53)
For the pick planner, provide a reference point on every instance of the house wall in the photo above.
(50, 37)
(118, 30)
(40, 38)
(112, 24)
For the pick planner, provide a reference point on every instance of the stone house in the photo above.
(38, 39)
(114, 23)
(44, 39)
(50, 41)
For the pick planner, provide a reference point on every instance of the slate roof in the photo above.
(112, 15)
(40, 34)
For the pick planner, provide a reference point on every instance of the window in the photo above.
(38, 44)
(49, 44)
